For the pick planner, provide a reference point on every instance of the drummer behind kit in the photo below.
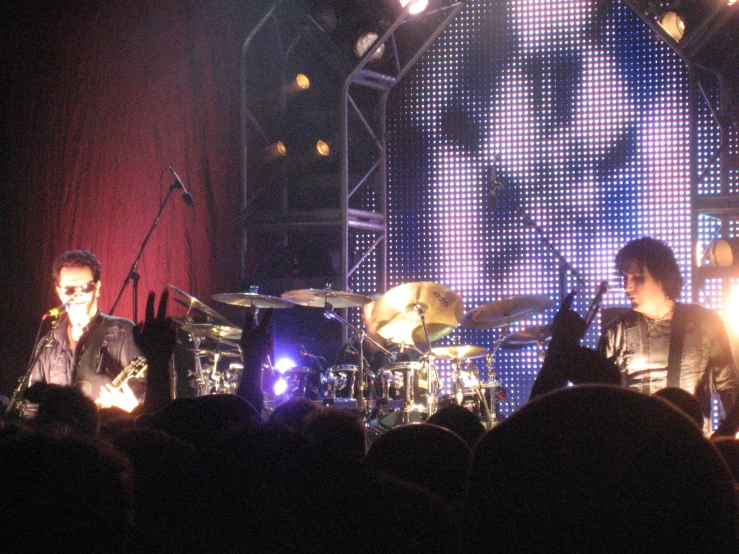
(408, 318)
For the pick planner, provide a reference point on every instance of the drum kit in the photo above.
(408, 318)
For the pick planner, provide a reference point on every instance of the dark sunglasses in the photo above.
(84, 289)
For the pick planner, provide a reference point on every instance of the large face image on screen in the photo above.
(532, 141)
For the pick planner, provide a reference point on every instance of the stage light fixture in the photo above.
(300, 83)
(417, 6)
(673, 25)
(275, 151)
(731, 311)
(323, 148)
(724, 252)
(364, 42)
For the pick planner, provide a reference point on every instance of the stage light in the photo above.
(300, 83)
(284, 364)
(731, 311)
(417, 6)
(275, 151)
(673, 24)
(724, 252)
(322, 148)
(280, 386)
(364, 42)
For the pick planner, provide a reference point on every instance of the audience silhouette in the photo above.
(589, 468)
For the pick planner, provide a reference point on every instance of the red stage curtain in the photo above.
(98, 98)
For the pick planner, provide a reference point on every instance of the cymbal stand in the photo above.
(489, 409)
(361, 335)
(430, 368)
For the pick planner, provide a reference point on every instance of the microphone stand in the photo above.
(564, 265)
(132, 273)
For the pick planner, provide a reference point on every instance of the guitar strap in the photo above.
(87, 357)
(677, 339)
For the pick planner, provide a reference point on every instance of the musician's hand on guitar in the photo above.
(156, 337)
(122, 397)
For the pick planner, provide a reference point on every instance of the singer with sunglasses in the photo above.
(84, 348)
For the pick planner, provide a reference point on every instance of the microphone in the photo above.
(55, 312)
(186, 196)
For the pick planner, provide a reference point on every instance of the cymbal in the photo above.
(459, 352)
(203, 353)
(213, 331)
(192, 302)
(396, 315)
(252, 300)
(504, 312)
(528, 337)
(318, 298)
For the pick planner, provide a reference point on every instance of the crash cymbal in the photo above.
(504, 312)
(319, 298)
(252, 300)
(528, 337)
(205, 353)
(190, 302)
(459, 352)
(396, 315)
(213, 331)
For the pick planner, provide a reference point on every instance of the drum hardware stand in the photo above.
(132, 273)
(489, 409)
(361, 336)
(17, 403)
(406, 403)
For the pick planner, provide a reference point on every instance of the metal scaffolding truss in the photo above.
(710, 46)
(355, 219)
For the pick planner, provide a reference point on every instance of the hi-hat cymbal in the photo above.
(324, 298)
(459, 352)
(528, 337)
(504, 312)
(397, 314)
(191, 302)
(213, 331)
(252, 300)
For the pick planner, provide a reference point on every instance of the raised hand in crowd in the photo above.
(156, 337)
(257, 348)
(567, 361)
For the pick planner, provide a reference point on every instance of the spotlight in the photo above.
(417, 6)
(275, 151)
(731, 311)
(673, 24)
(300, 83)
(322, 148)
(284, 364)
(724, 252)
(280, 387)
(363, 44)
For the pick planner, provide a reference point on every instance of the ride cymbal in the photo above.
(459, 352)
(252, 300)
(397, 314)
(504, 312)
(325, 298)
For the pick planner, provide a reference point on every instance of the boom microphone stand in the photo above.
(132, 273)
